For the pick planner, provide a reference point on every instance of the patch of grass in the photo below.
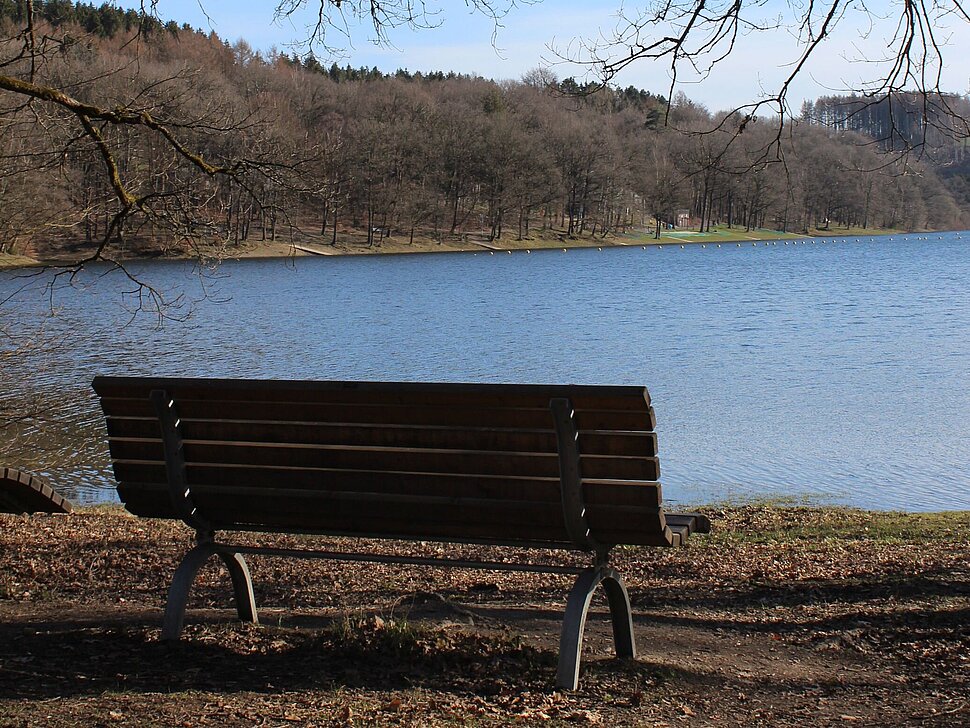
(8, 260)
(721, 234)
(771, 523)
(107, 509)
(376, 633)
(724, 234)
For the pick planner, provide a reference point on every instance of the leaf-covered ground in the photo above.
(782, 616)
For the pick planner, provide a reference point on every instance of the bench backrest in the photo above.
(460, 462)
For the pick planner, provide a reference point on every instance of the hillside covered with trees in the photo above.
(286, 148)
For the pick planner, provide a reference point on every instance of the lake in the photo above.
(827, 371)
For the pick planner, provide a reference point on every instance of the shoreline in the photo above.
(470, 244)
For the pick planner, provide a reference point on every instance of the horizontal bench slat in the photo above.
(158, 492)
(390, 459)
(380, 393)
(402, 520)
(134, 476)
(496, 520)
(212, 502)
(518, 419)
(508, 440)
(272, 433)
(328, 457)
(403, 515)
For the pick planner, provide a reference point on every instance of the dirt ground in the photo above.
(782, 616)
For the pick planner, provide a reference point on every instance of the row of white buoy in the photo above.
(755, 243)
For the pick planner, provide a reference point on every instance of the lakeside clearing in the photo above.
(16, 261)
(782, 616)
(355, 243)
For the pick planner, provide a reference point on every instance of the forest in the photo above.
(231, 146)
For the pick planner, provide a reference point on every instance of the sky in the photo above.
(541, 33)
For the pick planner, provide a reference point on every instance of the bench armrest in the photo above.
(693, 522)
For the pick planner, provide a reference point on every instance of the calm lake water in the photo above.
(824, 372)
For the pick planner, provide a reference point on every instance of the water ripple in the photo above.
(831, 373)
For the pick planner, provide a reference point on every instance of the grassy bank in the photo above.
(16, 261)
(782, 616)
(719, 234)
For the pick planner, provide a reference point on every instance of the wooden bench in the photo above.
(557, 467)
(21, 492)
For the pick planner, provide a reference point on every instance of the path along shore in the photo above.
(481, 245)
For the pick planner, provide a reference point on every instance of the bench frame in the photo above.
(577, 603)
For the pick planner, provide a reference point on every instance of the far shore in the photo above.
(354, 243)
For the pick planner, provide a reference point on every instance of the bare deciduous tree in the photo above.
(161, 144)
(692, 37)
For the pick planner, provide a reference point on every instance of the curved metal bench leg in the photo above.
(620, 613)
(242, 586)
(178, 593)
(574, 622)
